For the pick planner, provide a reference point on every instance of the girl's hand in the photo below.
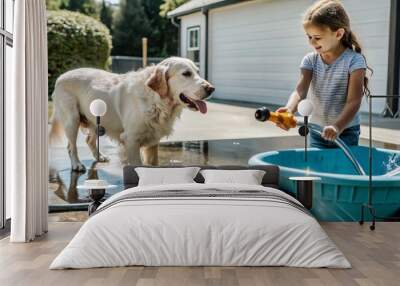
(282, 109)
(330, 133)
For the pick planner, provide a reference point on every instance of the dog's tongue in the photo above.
(201, 105)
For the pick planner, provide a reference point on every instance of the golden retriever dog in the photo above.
(141, 106)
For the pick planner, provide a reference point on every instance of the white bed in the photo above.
(183, 230)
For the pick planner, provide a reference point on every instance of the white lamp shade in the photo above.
(98, 107)
(305, 107)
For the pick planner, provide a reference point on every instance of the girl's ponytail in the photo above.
(349, 40)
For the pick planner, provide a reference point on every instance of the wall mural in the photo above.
(114, 103)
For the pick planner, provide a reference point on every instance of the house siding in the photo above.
(255, 48)
(195, 19)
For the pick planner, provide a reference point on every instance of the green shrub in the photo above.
(75, 40)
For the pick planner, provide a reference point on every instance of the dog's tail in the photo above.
(56, 129)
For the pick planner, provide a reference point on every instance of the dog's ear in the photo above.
(158, 81)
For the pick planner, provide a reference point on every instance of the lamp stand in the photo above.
(305, 137)
(303, 131)
(98, 137)
(100, 131)
(369, 205)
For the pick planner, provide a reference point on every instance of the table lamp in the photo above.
(98, 108)
(305, 109)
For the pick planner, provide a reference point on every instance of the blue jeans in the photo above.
(349, 136)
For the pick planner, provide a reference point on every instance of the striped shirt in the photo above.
(329, 84)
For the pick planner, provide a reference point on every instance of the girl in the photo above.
(336, 72)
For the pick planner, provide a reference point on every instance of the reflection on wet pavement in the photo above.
(63, 194)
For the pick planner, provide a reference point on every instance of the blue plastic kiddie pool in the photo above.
(341, 191)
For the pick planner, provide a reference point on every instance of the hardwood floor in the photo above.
(375, 257)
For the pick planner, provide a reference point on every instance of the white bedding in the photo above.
(200, 231)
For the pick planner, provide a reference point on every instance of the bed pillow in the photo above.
(248, 177)
(166, 176)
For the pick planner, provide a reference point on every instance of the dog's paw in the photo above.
(79, 168)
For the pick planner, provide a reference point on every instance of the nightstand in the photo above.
(304, 189)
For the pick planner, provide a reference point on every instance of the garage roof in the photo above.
(197, 5)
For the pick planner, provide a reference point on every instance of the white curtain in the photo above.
(27, 147)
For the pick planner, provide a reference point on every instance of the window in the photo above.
(193, 44)
(6, 43)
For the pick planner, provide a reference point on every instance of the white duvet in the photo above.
(200, 231)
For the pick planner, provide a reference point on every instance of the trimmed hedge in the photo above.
(75, 40)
